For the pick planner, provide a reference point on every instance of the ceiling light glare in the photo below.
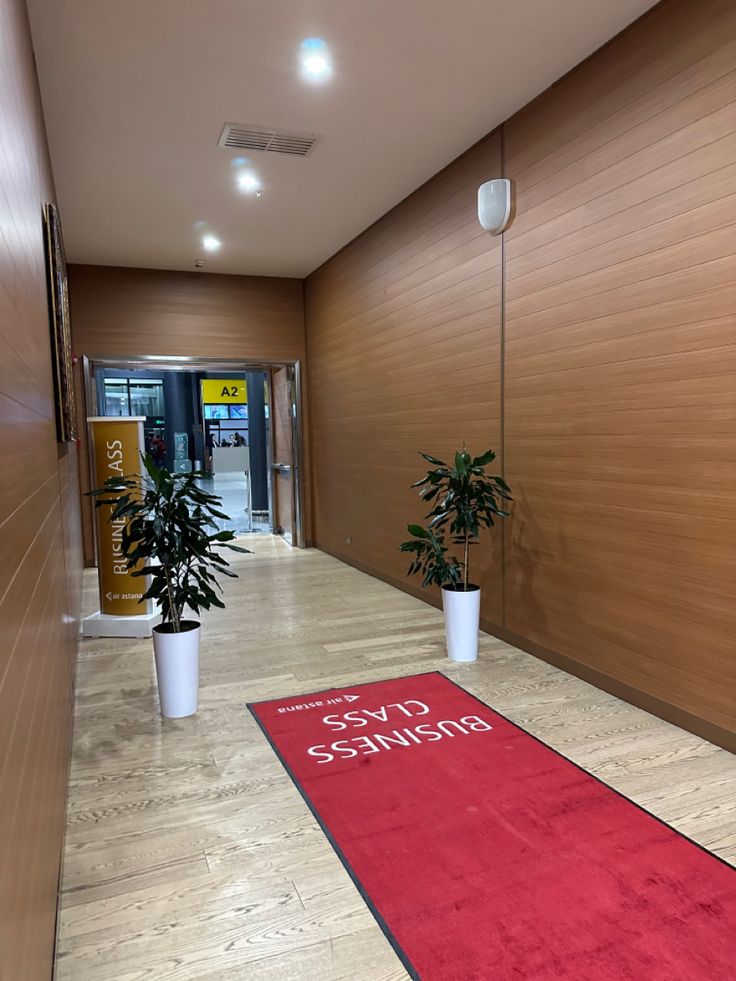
(248, 182)
(315, 60)
(211, 243)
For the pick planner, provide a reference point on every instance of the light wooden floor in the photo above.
(190, 855)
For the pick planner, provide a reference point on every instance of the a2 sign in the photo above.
(216, 391)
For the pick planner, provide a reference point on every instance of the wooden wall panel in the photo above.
(403, 347)
(40, 555)
(120, 312)
(619, 366)
(620, 370)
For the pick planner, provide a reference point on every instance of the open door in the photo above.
(283, 421)
(86, 398)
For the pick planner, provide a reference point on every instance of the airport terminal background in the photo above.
(183, 432)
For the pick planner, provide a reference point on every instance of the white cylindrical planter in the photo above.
(177, 670)
(462, 622)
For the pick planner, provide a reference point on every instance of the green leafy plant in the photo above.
(464, 499)
(168, 536)
(430, 558)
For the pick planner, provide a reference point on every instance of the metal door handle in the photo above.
(282, 467)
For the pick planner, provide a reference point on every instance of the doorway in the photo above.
(237, 422)
(285, 464)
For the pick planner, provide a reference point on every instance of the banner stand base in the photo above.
(106, 625)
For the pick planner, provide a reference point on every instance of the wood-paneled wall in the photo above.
(127, 313)
(403, 333)
(40, 553)
(620, 395)
(618, 364)
(119, 312)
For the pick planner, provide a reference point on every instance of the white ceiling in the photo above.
(136, 92)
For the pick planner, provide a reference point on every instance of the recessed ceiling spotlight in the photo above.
(315, 60)
(248, 182)
(211, 243)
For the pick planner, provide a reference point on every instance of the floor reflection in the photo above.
(232, 488)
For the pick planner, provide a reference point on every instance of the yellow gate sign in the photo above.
(221, 390)
(117, 444)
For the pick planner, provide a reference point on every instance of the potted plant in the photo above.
(169, 537)
(464, 500)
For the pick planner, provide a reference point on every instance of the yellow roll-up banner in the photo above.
(220, 390)
(117, 443)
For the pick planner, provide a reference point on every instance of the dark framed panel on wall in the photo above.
(62, 360)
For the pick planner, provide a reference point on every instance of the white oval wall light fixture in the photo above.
(494, 205)
(211, 243)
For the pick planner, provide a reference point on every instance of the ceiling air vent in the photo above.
(239, 136)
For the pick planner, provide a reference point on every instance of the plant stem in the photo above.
(172, 606)
(465, 565)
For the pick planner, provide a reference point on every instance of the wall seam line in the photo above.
(502, 388)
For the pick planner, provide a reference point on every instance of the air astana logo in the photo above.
(318, 703)
(407, 729)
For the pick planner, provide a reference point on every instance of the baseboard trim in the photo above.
(426, 595)
(627, 693)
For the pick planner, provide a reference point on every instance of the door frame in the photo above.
(293, 387)
(187, 363)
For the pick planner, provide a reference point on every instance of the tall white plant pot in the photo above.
(177, 670)
(462, 622)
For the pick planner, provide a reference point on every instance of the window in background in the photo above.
(134, 397)
(117, 402)
(146, 397)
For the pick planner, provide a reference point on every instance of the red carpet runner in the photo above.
(484, 854)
